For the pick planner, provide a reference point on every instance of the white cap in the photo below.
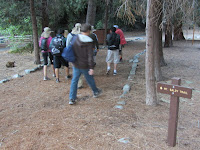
(116, 26)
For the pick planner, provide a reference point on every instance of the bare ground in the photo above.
(35, 114)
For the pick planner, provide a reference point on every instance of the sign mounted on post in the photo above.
(176, 91)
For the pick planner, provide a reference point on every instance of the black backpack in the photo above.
(114, 41)
(57, 45)
(43, 46)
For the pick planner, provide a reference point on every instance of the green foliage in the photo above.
(66, 13)
(11, 30)
(15, 15)
(99, 24)
(24, 49)
(12, 13)
(16, 42)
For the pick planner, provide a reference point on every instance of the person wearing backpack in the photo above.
(84, 63)
(95, 43)
(44, 43)
(113, 42)
(57, 45)
(122, 39)
(75, 31)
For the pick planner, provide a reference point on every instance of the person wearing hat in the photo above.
(84, 64)
(122, 39)
(46, 52)
(75, 31)
(95, 43)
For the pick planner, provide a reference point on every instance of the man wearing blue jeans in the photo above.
(84, 63)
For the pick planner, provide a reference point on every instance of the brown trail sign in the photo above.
(175, 91)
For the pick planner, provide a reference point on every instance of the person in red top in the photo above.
(122, 40)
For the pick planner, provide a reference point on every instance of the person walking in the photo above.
(57, 45)
(93, 36)
(44, 43)
(84, 64)
(122, 40)
(75, 31)
(113, 42)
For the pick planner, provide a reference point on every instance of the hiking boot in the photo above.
(80, 87)
(68, 77)
(72, 102)
(46, 78)
(114, 73)
(57, 80)
(96, 94)
(107, 72)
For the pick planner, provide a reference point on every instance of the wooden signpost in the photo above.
(176, 91)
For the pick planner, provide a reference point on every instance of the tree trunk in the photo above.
(178, 32)
(158, 48)
(168, 35)
(162, 60)
(45, 16)
(91, 12)
(106, 21)
(151, 98)
(35, 32)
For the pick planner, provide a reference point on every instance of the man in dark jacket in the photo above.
(113, 42)
(95, 43)
(84, 63)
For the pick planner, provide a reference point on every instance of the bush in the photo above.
(28, 48)
(99, 24)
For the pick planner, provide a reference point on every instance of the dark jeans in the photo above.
(76, 75)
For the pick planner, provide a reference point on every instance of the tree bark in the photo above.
(151, 98)
(35, 32)
(158, 48)
(106, 21)
(45, 16)
(168, 35)
(162, 60)
(178, 32)
(91, 12)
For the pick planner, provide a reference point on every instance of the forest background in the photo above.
(31, 16)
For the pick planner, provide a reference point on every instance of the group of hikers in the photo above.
(84, 43)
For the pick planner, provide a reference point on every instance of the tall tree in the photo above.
(106, 20)
(91, 12)
(168, 34)
(151, 98)
(45, 16)
(178, 31)
(158, 41)
(161, 55)
(35, 32)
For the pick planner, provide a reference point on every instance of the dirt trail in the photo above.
(35, 114)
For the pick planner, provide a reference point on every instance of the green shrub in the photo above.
(26, 49)
(99, 24)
